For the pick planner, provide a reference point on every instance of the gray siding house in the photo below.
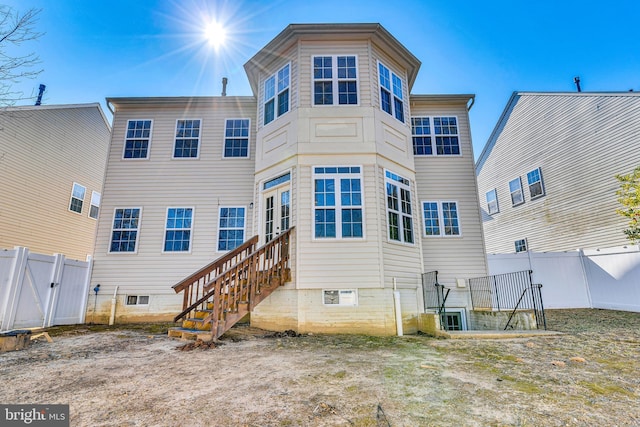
(546, 177)
(378, 183)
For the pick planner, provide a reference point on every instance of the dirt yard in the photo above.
(136, 376)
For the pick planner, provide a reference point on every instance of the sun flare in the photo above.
(215, 34)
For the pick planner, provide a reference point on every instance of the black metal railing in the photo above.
(435, 295)
(508, 292)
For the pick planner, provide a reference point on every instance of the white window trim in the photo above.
(497, 209)
(124, 145)
(126, 300)
(404, 95)
(433, 135)
(340, 293)
(335, 81)
(92, 204)
(248, 156)
(399, 212)
(276, 93)
(175, 136)
(441, 225)
(338, 207)
(135, 250)
(164, 236)
(541, 184)
(512, 192)
(244, 227)
(526, 245)
(84, 194)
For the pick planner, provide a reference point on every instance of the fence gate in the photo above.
(41, 290)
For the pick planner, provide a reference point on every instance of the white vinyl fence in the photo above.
(41, 290)
(591, 278)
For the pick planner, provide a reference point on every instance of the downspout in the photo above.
(112, 318)
(396, 300)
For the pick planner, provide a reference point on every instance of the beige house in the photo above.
(52, 163)
(546, 176)
(371, 186)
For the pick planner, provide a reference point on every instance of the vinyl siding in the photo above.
(580, 142)
(43, 151)
(205, 184)
(451, 178)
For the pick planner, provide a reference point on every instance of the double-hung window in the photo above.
(276, 94)
(515, 188)
(95, 205)
(335, 80)
(399, 212)
(137, 139)
(77, 198)
(492, 201)
(435, 135)
(177, 235)
(338, 202)
(391, 92)
(231, 228)
(124, 233)
(441, 218)
(187, 139)
(534, 179)
(521, 245)
(236, 138)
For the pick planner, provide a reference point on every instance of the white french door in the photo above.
(277, 211)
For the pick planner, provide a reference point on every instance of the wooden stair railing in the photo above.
(223, 292)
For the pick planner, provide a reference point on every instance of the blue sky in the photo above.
(95, 49)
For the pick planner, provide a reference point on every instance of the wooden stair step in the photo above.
(189, 334)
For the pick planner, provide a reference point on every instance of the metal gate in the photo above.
(508, 292)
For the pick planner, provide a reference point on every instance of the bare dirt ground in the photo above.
(137, 376)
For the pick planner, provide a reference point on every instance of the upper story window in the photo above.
(95, 205)
(391, 92)
(338, 202)
(399, 210)
(492, 201)
(276, 94)
(534, 179)
(187, 139)
(137, 139)
(335, 80)
(124, 233)
(77, 198)
(236, 138)
(435, 135)
(441, 219)
(515, 188)
(177, 235)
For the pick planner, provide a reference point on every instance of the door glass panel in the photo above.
(268, 224)
(285, 205)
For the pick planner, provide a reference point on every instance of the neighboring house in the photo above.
(546, 177)
(52, 163)
(378, 183)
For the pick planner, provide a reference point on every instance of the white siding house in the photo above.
(52, 164)
(326, 144)
(546, 177)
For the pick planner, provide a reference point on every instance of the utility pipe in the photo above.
(112, 318)
(396, 300)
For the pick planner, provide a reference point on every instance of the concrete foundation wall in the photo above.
(497, 320)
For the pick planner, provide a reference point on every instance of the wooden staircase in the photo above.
(221, 293)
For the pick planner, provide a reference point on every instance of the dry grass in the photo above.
(134, 376)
